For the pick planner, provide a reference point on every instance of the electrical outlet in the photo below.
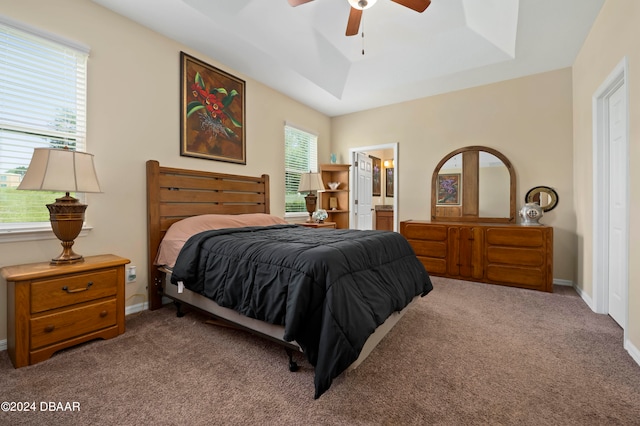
(131, 274)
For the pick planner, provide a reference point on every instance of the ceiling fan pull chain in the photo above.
(362, 34)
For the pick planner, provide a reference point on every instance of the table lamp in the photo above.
(63, 170)
(310, 183)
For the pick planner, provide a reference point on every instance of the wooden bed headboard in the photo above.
(174, 194)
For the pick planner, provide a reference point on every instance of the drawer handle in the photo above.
(78, 290)
(103, 314)
(49, 328)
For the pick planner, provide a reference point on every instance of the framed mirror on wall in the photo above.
(544, 196)
(474, 183)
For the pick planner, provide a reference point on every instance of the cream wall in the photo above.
(614, 36)
(527, 119)
(133, 116)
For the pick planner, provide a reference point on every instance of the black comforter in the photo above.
(330, 289)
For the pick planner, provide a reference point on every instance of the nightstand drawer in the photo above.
(49, 329)
(69, 290)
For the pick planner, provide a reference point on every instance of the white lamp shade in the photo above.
(61, 170)
(310, 182)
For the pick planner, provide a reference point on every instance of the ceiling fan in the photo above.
(357, 6)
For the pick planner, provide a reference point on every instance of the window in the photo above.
(42, 104)
(300, 156)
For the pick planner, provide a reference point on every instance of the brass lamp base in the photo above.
(67, 217)
(311, 199)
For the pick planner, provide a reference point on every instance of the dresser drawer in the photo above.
(518, 277)
(429, 248)
(515, 256)
(53, 328)
(417, 231)
(71, 289)
(516, 237)
(434, 266)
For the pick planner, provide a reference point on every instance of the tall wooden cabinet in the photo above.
(506, 254)
(336, 201)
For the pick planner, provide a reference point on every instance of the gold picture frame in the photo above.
(212, 116)
(333, 203)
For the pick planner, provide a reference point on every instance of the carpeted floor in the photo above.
(466, 354)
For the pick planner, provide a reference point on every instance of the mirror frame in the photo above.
(475, 218)
(553, 195)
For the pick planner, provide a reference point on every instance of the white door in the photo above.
(364, 189)
(617, 205)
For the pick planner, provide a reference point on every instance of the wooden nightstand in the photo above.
(319, 225)
(52, 307)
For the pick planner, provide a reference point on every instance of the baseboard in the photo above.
(3, 345)
(585, 297)
(558, 281)
(128, 310)
(633, 351)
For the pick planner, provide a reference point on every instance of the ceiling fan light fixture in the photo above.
(362, 4)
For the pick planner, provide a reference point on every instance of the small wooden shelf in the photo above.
(336, 173)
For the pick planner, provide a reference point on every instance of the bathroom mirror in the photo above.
(474, 183)
(546, 197)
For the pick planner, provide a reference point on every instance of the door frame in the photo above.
(601, 173)
(352, 151)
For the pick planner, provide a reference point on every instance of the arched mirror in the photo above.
(474, 183)
(547, 198)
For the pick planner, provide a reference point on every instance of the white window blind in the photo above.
(43, 85)
(301, 156)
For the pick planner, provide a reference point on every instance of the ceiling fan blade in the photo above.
(295, 3)
(353, 25)
(417, 5)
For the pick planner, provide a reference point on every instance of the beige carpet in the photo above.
(466, 354)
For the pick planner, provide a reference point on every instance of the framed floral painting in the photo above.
(449, 189)
(212, 116)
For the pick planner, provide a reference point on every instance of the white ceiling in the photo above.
(303, 52)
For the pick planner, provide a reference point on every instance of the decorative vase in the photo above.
(320, 215)
(531, 214)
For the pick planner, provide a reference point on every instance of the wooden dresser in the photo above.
(52, 307)
(505, 254)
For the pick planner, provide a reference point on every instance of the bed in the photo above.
(310, 290)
